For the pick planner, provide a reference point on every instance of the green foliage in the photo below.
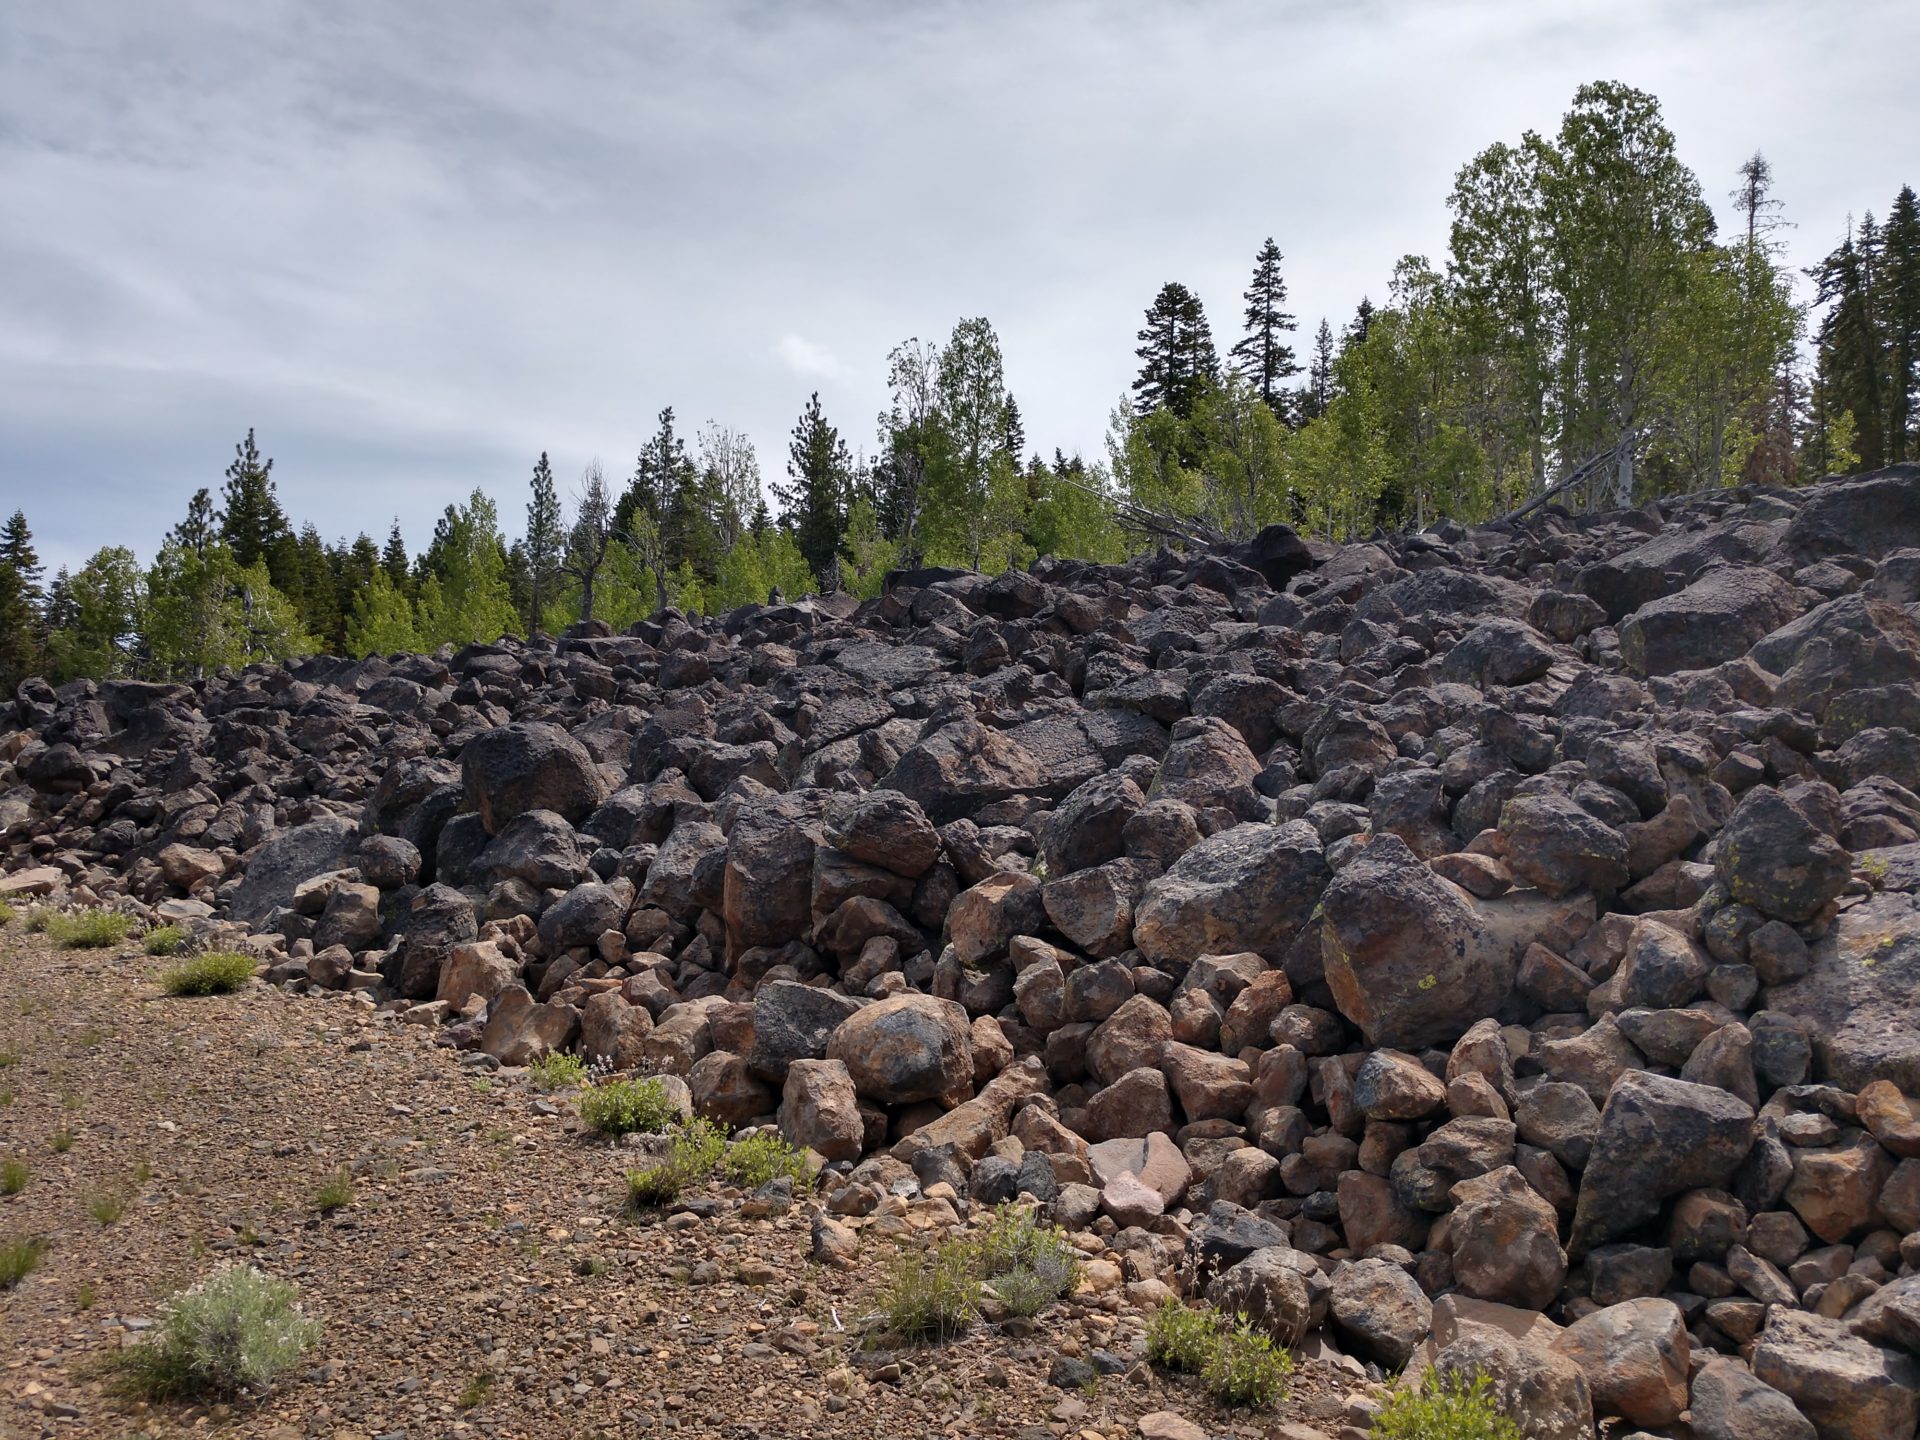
(334, 1193)
(39, 918)
(107, 1206)
(13, 1177)
(1247, 1368)
(381, 620)
(95, 616)
(869, 555)
(697, 1149)
(1027, 1264)
(760, 1158)
(7, 913)
(89, 929)
(1182, 1338)
(166, 940)
(19, 1259)
(215, 973)
(813, 499)
(62, 1141)
(1453, 1408)
(206, 610)
(557, 1071)
(464, 596)
(235, 1331)
(628, 1106)
(931, 1296)
(1178, 364)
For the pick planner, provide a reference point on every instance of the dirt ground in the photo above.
(483, 1280)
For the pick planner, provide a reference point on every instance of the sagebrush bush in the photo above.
(557, 1072)
(1027, 1264)
(1452, 1408)
(89, 929)
(166, 940)
(628, 1107)
(215, 973)
(235, 1331)
(698, 1147)
(933, 1295)
(18, 1259)
(1246, 1368)
(1181, 1337)
(758, 1159)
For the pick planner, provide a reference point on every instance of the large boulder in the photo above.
(1506, 1244)
(1849, 1388)
(1730, 1403)
(962, 766)
(1250, 887)
(1718, 617)
(1379, 1312)
(1407, 957)
(1859, 997)
(884, 828)
(529, 765)
(768, 885)
(1773, 857)
(1657, 1137)
(1863, 515)
(1635, 1357)
(793, 1022)
(820, 1110)
(907, 1048)
(289, 857)
(1088, 827)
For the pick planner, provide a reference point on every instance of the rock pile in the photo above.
(1398, 938)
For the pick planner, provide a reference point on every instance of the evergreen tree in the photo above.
(252, 521)
(1319, 392)
(202, 527)
(1177, 359)
(381, 621)
(545, 546)
(1015, 443)
(316, 596)
(911, 445)
(20, 604)
(591, 538)
(1753, 198)
(1358, 327)
(1848, 378)
(1898, 309)
(730, 477)
(97, 615)
(1265, 357)
(813, 501)
(393, 559)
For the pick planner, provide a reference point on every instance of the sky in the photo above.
(415, 245)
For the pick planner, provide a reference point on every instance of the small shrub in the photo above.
(1027, 1264)
(557, 1072)
(166, 940)
(627, 1107)
(698, 1147)
(6, 913)
(108, 1206)
(1453, 1408)
(38, 919)
(932, 1297)
(1247, 1368)
(758, 1159)
(215, 973)
(336, 1193)
(62, 1141)
(89, 1293)
(1181, 1338)
(13, 1177)
(477, 1389)
(8, 1059)
(89, 929)
(18, 1259)
(236, 1330)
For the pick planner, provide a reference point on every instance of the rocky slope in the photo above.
(1521, 914)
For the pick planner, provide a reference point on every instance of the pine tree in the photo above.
(1177, 359)
(1898, 310)
(200, 531)
(252, 521)
(1360, 326)
(592, 536)
(1753, 198)
(393, 559)
(813, 501)
(1265, 359)
(546, 542)
(1016, 442)
(1848, 378)
(1319, 392)
(20, 604)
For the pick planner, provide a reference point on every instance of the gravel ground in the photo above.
(483, 1280)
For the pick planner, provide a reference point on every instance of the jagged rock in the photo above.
(884, 828)
(1634, 1356)
(1379, 1312)
(1506, 1243)
(1772, 857)
(1718, 617)
(1849, 1388)
(529, 765)
(1247, 888)
(288, 858)
(1269, 1291)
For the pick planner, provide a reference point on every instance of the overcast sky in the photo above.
(416, 244)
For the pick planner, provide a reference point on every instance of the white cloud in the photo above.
(808, 360)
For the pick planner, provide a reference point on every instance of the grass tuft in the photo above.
(235, 1331)
(166, 940)
(1247, 1368)
(13, 1177)
(557, 1072)
(108, 1206)
(698, 1147)
(7, 913)
(759, 1159)
(1452, 1408)
(18, 1259)
(335, 1193)
(215, 973)
(62, 1141)
(89, 929)
(628, 1107)
(1027, 1264)
(932, 1295)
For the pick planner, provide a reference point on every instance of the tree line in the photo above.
(1588, 304)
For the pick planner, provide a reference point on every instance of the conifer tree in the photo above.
(1177, 358)
(201, 529)
(1265, 357)
(1015, 443)
(393, 559)
(20, 604)
(252, 520)
(813, 500)
(1319, 392)
(591, 538)
(545, 546)
(1848, 378)
(1898, 309)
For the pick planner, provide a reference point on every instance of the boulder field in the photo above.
(1496, 946)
